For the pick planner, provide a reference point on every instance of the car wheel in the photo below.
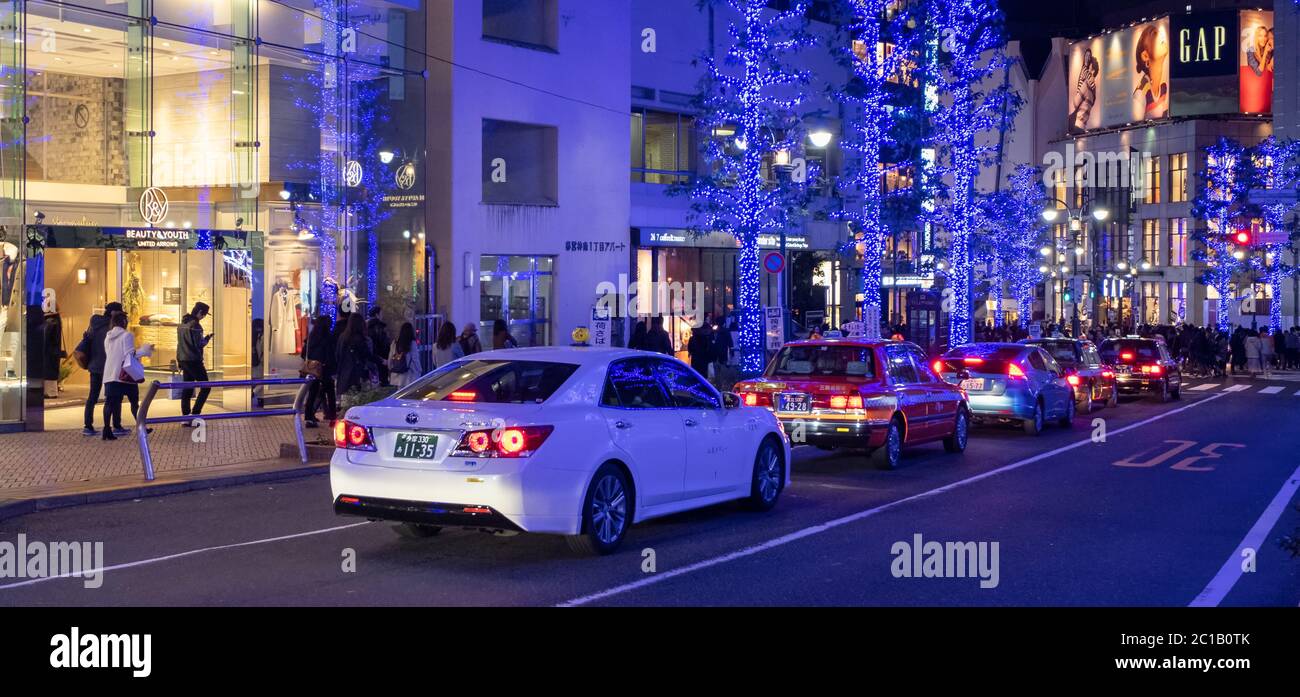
(606, 513)
(1163, 395)
(1034, 426)
(1085, 405)
(890, 454)
(1068, 419)
(1177, 393)
(956, 443)
(768, 478)
(1114, 398)
(416, 531)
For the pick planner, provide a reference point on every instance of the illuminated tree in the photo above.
(1223, 200)
(1278, 163)
(1014, 233)
(748, 105)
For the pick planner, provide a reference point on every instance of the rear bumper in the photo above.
(423, 513)
(839, 432)
(1134, 383)
(1009, 405)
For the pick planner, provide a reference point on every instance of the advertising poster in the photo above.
(1256, 62)
(1084, 86)
(1148, 66)
(1116, 75)
(1203, 67)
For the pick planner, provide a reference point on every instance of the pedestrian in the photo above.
(190, 343)
(1293, 348)
(1266, 352)
(92, 347)
(446, 349)
(377, 330)
(657, 339)
(501, 338)
(700, 349)
(119, 347)
(321, 361)
(721, 344)
(54, 352)
(637, 341)
(469, 343)
(1253, 351)
(354, 356)
(404, 357)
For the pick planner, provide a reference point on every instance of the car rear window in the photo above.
(832, 360)
(1062, 351)
(981, 359)
(1122, 351)
(500, 382)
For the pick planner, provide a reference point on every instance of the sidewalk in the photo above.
(59, 468)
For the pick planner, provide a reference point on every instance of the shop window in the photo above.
(519, 163)
(1178, 241)
(1151, 241)
(529, 23)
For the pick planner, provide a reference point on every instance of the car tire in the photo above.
(890, 453)
(1067, 421)
(1177, 394)
(956, 443)
(768, 478)
(1085, 406)
(1113, 401)
(606, 513)
(1163, 394)
(1034, 426)
(415, 531)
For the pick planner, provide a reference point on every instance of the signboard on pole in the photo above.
(871, 322)
(1035, 330)
(853, 329)
(774, 262)
(600, 327)
(774, 322)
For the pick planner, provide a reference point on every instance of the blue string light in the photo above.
(1223, 197)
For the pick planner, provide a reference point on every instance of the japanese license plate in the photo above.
(793, 401)
(973, 385)
(416, 446)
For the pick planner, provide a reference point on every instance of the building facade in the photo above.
(265, 158)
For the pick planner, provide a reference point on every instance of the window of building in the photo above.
(1177, 302)
(530, 23)
(520, 163)
(1151, 182)
(1178, 241)
(1178, 178)
(1151, 302)
(1151, 241)
(663, 147)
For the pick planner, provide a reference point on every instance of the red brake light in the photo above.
(938, 367)
(1014, 371)
(1126, 356)
(751, 399)
(855, 401)
(1152, 369)
(1073, 380)
(1108, 373)
(516, 441)
(352, 436)
(972, 360)
(462, 396)
(839, 401)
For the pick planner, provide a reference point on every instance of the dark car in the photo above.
(1093, 381)
(1143, 365)
(878, 395)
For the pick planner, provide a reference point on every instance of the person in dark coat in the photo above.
(52, 341)
(92, 344)
(354, 355)
(638, 336)
(321, 346)
(657, 338)
(380, 344)
(190, 343)
(700, 348)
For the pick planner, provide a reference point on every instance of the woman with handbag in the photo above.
(404, 357)
(123, 374)
(321, 363)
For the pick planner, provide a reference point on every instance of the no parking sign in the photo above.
(774, 262)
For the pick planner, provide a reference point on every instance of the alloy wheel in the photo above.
(608, 509)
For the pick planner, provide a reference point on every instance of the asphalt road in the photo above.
(1143, 517)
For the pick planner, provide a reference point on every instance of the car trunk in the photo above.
(444, 421)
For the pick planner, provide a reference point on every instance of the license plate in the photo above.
(796, 402)
(416, 446)
(1123, 369)
(973, 385)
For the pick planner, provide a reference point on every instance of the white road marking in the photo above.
(860, 515)
(1230, 572)
(178, 555)
(1236, 388)
(1206, 386)
(1271, 389)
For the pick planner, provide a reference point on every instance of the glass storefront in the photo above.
(265, 157)
(517, 289)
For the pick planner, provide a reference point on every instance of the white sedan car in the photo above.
(572, 441)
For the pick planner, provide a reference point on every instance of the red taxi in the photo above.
(879, 395)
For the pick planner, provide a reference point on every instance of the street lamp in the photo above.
(820, 137)
(1076, 217)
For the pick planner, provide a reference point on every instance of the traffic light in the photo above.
(1242, 237)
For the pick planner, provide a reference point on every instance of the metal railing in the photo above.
(142, 418)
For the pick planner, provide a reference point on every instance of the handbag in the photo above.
(312, 368)
(132, 369)
(400, 364)
(81, 354)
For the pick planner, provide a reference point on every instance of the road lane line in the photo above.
(1272, 389)
(178, 555)
(860, 515)
(1230, 573)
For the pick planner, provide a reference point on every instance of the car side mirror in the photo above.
(730, 400)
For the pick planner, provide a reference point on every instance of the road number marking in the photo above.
(1209, 452)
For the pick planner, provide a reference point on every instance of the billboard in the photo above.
(1204, 63)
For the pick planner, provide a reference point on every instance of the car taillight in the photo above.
(973, 360)
(938, 367)
(352, 436)
(1073, 380)
(462, 396)
(1152, 369)
(853, 401)
(751, 399)
(1108, 373)
(1126, 356)
(513, 441)
(1014, 371)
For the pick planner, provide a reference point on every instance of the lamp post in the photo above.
(1081, 221)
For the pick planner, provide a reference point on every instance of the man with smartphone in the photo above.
(189, 356)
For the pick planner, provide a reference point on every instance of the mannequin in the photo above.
(52, 343)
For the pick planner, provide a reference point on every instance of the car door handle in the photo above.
(692, 422)
(622, 424)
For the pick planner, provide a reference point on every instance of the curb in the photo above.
(33, 505)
